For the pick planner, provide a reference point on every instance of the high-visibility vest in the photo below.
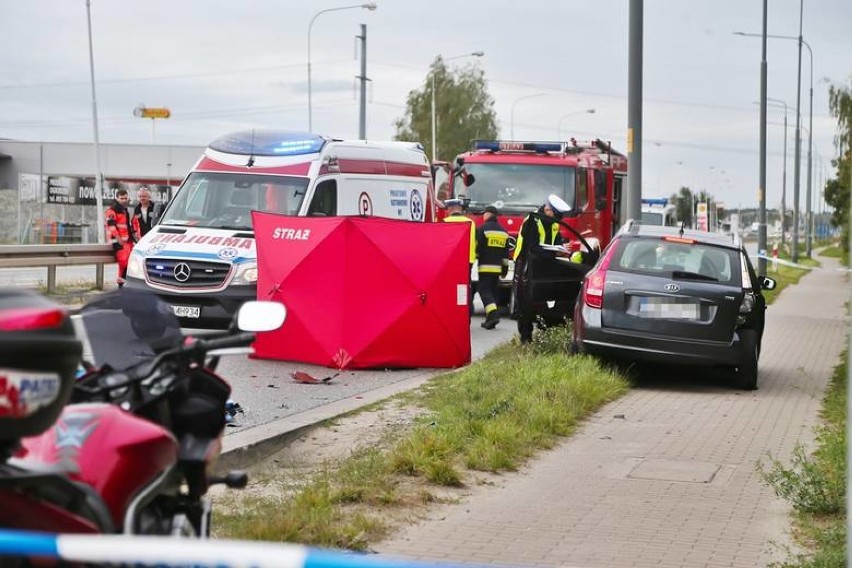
(459, 218)
(542, 239)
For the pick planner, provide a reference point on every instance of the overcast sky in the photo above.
(223, 66)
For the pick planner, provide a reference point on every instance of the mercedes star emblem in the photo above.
(182, 272)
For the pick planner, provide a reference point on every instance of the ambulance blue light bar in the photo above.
(269, 143)
(515, 146)
(655, 201)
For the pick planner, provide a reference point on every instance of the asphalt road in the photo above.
(266, 391)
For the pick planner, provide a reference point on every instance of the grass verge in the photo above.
(786, 275)
(815, 485)
(491, 416)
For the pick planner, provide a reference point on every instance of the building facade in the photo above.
(47, 189)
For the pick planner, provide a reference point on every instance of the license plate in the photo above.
(665, 309)
(187, 311)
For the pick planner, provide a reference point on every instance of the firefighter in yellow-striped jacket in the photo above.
(492, 241)
(455, 210)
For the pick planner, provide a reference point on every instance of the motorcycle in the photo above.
(133, 452)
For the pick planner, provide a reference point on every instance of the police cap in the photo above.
(558, 204)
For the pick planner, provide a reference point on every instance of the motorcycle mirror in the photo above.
(257, 315)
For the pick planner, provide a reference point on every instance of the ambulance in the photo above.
(200, 257)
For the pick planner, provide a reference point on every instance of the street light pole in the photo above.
(370, 6)
(797, 166)
(512, 114)
(99, 200)
(434, 111)
(784, 178)
(801, 42)
(808, 210)
(564, 116)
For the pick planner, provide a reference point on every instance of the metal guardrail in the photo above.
(51, 256)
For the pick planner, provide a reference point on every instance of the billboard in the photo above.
(701, 215)
(67, 190)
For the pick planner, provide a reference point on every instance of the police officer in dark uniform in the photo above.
(492, 241)
(540, 228)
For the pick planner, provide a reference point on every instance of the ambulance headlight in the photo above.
(136, 266)
(246, 273)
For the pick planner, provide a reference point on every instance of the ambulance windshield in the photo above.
(226, 200)
(519, 187)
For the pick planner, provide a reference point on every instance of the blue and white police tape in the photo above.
(181, 552)
(786, 262)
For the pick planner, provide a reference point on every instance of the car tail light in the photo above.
(593, 285)
(30, 319)
(746, 307)
(593, 288)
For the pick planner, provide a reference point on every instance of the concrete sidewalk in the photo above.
(666, 475)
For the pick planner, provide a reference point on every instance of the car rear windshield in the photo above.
(678, 260)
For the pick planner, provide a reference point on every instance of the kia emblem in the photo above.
(182, 272)
(670, 287)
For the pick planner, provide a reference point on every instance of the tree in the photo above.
(837, 189)
(464, 111)
(684, 202)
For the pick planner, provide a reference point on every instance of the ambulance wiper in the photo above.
(231, 227)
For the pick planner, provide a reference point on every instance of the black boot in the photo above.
(491, 320)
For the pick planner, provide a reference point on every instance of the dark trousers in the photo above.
(489, 284)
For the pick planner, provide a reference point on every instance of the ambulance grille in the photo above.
(186, 273)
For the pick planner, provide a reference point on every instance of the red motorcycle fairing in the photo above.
(107, 448)
(22, 511)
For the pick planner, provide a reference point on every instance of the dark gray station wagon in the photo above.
(665, 295)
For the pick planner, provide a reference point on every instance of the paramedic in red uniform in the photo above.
(122, 231)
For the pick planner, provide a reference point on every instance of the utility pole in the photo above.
(633, 201)
(362, 124)
(798, 159)
(761, 190)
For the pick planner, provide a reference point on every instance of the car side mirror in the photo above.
(767, 283)
(468, 179)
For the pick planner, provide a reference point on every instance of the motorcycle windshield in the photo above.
(126, 326)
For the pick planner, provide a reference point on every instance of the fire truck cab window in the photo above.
(324, 202)
(600, 190)
(520, 187)
(582, 189)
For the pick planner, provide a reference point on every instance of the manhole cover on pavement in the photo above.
(665, 470)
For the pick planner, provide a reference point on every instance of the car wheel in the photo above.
(745, 375)
(573, 348)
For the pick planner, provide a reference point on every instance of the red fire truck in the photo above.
(517, 177)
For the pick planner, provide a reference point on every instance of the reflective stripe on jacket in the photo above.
(120, 226)
(542, 240)
(460, 218)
